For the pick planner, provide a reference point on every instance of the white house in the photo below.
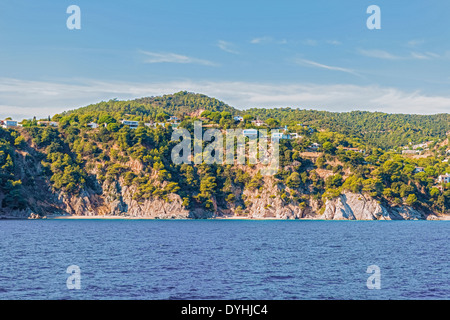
(173, 118)
(131, 124)
(295, 135)
(280, 135)
(410, 152)
(92, 125)
(444, 178)
(48, 123)
(238, 118)
(258, 123)
(8, 123)
(251, 133)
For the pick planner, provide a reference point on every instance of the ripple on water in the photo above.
(224, 259)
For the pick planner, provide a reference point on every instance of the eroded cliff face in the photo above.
(267, 203)
(117, 200)
(114, 198)
(351, 206)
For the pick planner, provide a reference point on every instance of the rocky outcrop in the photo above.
(271, 201)
(267, 203)
(117, 200)
(352, 206)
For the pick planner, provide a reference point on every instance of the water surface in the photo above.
(223, 259)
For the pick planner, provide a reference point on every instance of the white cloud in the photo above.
(267, 39)
(323, 66)
(168, 57)
(310, 42)
(227, 47)
(25, 99)
(379, 54)
(334, 42)
(261, 40)
(415, 42)
(419, 56)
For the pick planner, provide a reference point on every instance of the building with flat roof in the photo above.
(251, 133)
(131, 124)
(8, 123)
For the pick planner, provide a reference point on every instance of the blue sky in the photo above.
(315, 55)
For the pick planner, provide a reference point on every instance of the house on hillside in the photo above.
(238, 118)
(251, 133)
(444, 178)
(8, 123)
(280, 135)
(258, 123)
(131, 124)
(48, 123)
(314, 147)
(423, 146)
(410, 152)
(418, 169)
(174, 119)
(92, 125)
(353, 149)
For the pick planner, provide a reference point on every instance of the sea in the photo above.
(223, 260)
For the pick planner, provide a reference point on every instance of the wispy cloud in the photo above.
(310, 42)
(324, 66)
(267, 39)
(415, 42)
(227, 46)
(381, 54)
(334, 42)
(424, 56)
(168, 57)
(47, 98)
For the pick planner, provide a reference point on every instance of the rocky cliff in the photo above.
(115, 199)
(271, 200)
(351, 206)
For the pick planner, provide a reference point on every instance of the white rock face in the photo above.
(267, 203)
(352, 206)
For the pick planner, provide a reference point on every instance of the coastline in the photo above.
(111, 217)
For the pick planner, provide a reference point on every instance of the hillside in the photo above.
(111, 169)
(178, 104)
(375, 129)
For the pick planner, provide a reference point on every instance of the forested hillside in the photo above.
(374, 128)
(115, 168)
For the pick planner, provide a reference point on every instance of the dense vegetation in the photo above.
(10, 186)
(375, 129)
(75, 157)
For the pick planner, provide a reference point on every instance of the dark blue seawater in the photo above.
(216, 259)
